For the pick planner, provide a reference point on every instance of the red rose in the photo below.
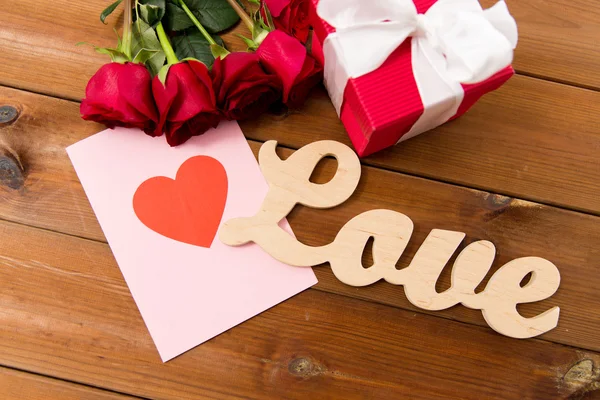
(186, 102)
(287, 58)
(291, 16)
(243, 88)
(121, 95)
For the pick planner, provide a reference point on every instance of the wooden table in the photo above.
(521, 169)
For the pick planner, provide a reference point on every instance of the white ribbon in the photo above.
(454, 42)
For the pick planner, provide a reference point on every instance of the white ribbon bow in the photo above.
(454, 42)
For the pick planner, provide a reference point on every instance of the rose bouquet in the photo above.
(171, 73)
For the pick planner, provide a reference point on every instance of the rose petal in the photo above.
(311, 75)
(242, 87)
(103, 87)
(135, 87)
(186, 102)
(230, 70)
(119, 95)
(193, 95)
(276, 6)
(284, 56)
(164, 96)
(203, 75)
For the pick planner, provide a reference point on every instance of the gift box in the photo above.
(397, 68)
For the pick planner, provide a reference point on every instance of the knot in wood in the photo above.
(583, 379)
(11, 174)
(305, 368)
(497, 205)
(8, 114)
(580, 374)
(497, 202)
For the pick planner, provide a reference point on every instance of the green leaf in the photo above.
(144, 39)
(144, 55)
(150, 14)
(162, 74)
(114, 54)
(249, 42)
(192, 44)
(108, 10)
(119, 41)
(214, 15)
(156, 62)
(152, 11)
(176, 19)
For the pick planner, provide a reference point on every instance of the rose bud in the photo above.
(186, 102)
(290, 16)
(242, 87)
(287, 58)
(121, 95)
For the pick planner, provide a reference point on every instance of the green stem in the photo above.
(127, 21)
(166, 44)
(242, 14)
(196, 22)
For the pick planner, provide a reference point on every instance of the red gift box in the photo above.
(380, 107)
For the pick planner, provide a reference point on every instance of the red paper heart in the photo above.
(189, 208)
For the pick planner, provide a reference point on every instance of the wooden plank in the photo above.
(52, 198)
(531, 152)
(43, 37)
(66, 312)
(46, 180)
(531, 139)
(17, 385)
(557, 40)
(40, 38)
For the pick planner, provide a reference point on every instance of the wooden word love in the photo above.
(289, 185)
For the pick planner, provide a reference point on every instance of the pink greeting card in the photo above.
(160, 209)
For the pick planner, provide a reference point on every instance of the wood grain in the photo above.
(531, 139)
(66, 312)
(558, 39)
(536, 151)
(38, 138)
(52, 198)
(17, 385)
(32, 35)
